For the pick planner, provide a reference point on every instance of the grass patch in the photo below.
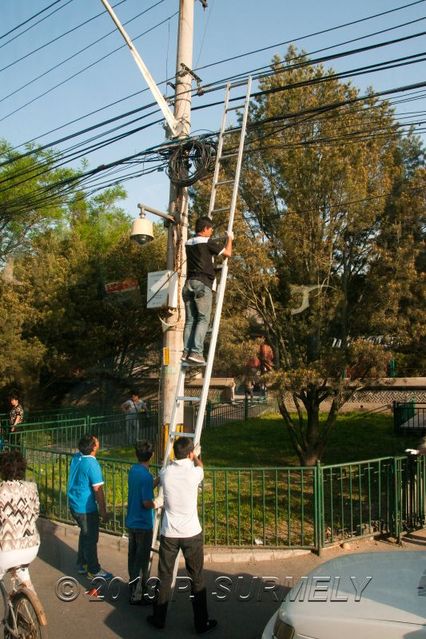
(265, 442)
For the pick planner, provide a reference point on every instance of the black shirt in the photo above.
(199, 254)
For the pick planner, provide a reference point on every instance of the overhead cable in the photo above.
(35, 15)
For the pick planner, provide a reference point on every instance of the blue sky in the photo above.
(226, 28)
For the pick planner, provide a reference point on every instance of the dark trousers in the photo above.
(88, 540)
(140, 542)
(193, 552)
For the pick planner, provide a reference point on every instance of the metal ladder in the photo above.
(180, 396)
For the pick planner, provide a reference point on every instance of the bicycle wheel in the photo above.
(30, 616)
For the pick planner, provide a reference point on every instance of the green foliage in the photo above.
(329, 235)
(86, 331)
(20, 354)
(29, 200)
(59, 323)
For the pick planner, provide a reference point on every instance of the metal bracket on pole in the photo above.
(185, 70)
(172, 123)
(150, 209)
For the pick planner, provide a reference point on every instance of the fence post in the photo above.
(397, 478)
(395, 417)
(318, 508)
(246, 409)
(208, 413)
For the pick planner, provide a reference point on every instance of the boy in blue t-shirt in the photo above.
(139, 521)
(87, 502)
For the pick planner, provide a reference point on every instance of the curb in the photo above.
(211, 554)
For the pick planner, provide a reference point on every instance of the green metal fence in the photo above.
(259, 507)
(409, 417)
(112, 431)
(62, 436)
(293, 507)
(237, 506)
(65, 415)
(218, 414)
(357, 499)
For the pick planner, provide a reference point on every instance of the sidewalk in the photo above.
(236, 591)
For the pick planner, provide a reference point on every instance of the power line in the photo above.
(74, 75)
(380, 66)
(18, 26)
(308, 112)
(244, 55)
(88, 149)
(304, 62)
(310, 35)
(56, 66)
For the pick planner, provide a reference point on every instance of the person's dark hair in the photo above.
(13, 396)
(144, 450)
(12, 465)
(86, 444)
(134, 392)
(182, 447)
(203, 223)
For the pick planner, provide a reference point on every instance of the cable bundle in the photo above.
(191, 161)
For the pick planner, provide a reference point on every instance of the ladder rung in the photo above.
(186, 398)
(224, 182)
(225, 208)
(234, 108)
(228, 155)
(175, 433)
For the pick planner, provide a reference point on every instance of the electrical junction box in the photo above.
(162, 289)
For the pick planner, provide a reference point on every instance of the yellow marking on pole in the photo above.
(166, 356)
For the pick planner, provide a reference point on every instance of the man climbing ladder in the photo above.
(197, 293)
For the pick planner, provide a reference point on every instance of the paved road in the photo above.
(242, 615)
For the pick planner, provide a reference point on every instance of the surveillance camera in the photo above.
(142, 232)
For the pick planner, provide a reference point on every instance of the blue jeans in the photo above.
(198, 299)
(88, 540)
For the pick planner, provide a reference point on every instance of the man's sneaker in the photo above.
(196, 358)
(82, 569)
(184, 357)
(153, 621)
(101, 573)
(210, 625)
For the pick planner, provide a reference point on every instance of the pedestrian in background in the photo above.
(16, 417)
(132, 408)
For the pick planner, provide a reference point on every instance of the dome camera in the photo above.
(142, 231)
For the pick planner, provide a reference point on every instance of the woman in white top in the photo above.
(19, 510)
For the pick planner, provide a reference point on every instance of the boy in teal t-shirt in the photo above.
(139, 521)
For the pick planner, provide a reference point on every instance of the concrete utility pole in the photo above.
(179, 125)
(178, 207)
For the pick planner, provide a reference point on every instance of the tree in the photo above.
(86, 332)
(31, 198)
(317, 189)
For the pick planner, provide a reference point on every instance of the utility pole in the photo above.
(178, 207)
(179, 125)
